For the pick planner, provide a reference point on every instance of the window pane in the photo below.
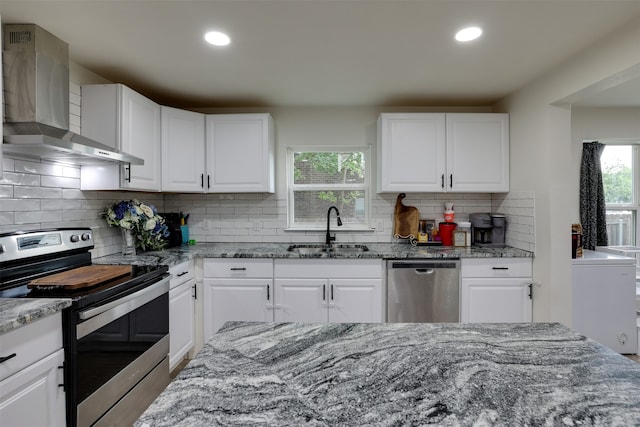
(621, 227)
(617, 174)
(312, 206)
(328, 168)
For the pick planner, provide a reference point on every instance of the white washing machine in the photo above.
(604, 299)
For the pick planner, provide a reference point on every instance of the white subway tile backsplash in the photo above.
(20, 205)
(12, 178)
(28, 217)
(37, 192)
(60, 181)
(6, 218)
(6, 191)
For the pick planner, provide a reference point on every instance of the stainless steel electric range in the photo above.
(116, 332)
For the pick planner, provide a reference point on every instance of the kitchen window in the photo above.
(620, 164)
(318, 178)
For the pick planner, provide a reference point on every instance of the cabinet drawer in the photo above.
(181, 273)
(328, 268)
(496, 267)
(30, 343)
(237, 267)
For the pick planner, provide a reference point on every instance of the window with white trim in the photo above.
(318, 178)
(620, 163)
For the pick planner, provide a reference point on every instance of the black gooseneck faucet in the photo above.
(329, 238)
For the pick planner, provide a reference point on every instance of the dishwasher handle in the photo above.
(424, 271)
(424, 265)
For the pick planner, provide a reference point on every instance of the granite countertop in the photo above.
(400, 374)
(175, 255)
(17, 312)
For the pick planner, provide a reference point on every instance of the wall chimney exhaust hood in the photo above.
(36, 91)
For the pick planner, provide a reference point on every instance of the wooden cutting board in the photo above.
(82, 277)
(406, 220)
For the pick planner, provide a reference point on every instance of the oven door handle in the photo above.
(104, 314)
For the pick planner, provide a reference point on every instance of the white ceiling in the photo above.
(327, 52)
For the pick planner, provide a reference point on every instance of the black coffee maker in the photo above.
(488, 229)
(172, 220)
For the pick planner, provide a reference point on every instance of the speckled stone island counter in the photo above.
(401, 374)
(17, 312)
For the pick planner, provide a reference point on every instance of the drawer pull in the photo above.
(500, 268)
(238, 268)
(4, 359)
(182, 274)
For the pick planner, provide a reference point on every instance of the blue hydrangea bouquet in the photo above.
(141, 220)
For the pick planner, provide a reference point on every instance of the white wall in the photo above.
(543, 157)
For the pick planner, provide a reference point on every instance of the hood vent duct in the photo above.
(36, 91)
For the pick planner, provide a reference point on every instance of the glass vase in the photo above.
(128, 242)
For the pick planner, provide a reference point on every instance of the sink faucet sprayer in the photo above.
(329, 238)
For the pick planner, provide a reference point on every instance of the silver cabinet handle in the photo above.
(238, 268)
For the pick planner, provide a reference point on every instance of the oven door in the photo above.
(119, 346)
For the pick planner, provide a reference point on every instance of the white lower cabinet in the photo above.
(496, 290)
(181, 312)
(31, 379)
(236, 289)
(291, 290)
(320, 290)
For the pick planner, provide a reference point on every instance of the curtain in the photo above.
(592, 204)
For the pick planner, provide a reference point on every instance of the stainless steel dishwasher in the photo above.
(423, 291)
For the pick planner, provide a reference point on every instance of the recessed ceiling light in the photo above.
(217, 38)
(468, 34)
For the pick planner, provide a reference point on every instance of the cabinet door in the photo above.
(182, 150)
(477, 152)
(181, 322)
(495, 300)
(140, 136)
(240, 153)
(236, 299)
(355, 300)
(301, 300)
(33, 397)
(411, 152)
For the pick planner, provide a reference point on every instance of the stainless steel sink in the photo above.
(333, 249)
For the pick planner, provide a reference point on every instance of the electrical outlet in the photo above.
(380, 225)
(206, 224)
(256, 226)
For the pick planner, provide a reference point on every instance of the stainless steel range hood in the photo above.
(36, 91)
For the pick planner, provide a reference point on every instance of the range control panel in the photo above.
(27, 244)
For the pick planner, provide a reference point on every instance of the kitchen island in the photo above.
(400, 374)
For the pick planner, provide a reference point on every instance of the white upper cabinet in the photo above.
(478, 152)
(240, 153)
(411, 152)
(437, 152)
(183, 160)
(119, 117)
